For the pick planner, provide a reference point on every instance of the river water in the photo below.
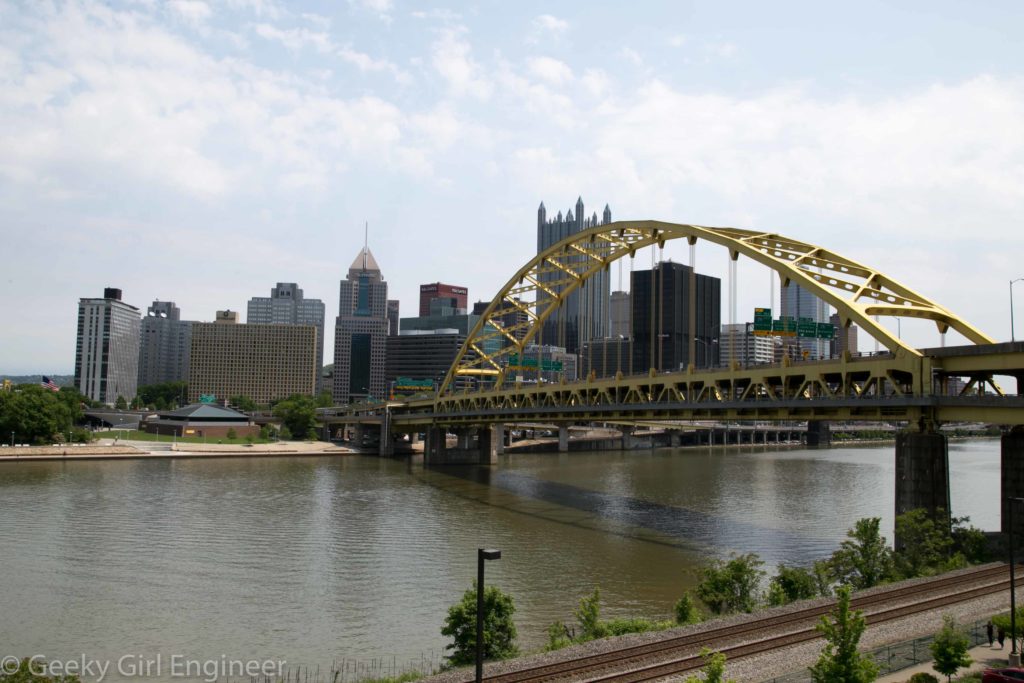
(322, 560)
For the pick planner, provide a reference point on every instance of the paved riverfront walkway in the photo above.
(984, 657)
(106, 449)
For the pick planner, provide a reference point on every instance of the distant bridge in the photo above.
(480, 394)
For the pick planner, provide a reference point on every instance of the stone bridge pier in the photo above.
(473, 446)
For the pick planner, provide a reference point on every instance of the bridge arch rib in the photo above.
(856, 291)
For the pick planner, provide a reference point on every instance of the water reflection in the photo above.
(315, 560)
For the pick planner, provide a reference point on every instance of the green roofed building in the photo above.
(201, 419)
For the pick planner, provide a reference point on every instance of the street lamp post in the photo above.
(707, 349)
(481, 556)
(1014, 655)
(1012, 282)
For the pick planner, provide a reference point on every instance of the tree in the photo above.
(588, 614)
(925, 543)
(1003, 621)
(232, 434)
(499, 629)
(839, 661)
(714, 668)
(791, 584)
(949, 648)
(686, 611)
(243, 403)
(324, 400)
(164, 395)
(120, 403)
(298, 413)
(34, 671)
(731, 586)
(37, 415)
(863, 560)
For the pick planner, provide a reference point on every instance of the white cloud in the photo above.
(295, 39)
(550, 70)
(631, 56)
(550, 24)
(451, 56)
(192, 11)
(366, 63)
(595, 81)
(382, 8)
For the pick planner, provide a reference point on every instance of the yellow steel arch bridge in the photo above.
(902, 383)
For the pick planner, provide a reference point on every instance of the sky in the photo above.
(199, 151)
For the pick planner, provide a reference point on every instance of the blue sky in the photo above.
(201, 151)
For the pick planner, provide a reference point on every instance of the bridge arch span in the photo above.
(856, 291)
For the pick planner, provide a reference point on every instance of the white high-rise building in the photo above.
(738, 342)
(287, 306)
(107, 348)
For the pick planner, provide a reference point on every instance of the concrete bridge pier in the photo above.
(675, 438)
(922, 473)
(1012, 467)
(563, 439)
(819, 434)
(357, 435)
(499, 436)
(629, 441)
(474, 446)
(386, 447)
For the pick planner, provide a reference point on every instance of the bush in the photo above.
(922, 677)
(732, 586)
(499, 629)
(558, 637)
(791, 584)
(685, 611)
(232, 434)
(34, 672)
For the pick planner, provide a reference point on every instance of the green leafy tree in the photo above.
(232, 434)
(120, 403)
(864, 559)
(969, 541)
(36, 415)
(1003, 621)
(926, 543)
(714, 668)
(558, 637)
(924, 677)
(823, 576)
(298, 413)
(324, 400)
(949, 648)
(499, 629)
(243, 403)
(29, 671)
(165, 395)
(733, 585)
(840, 662)
(588, 615)
(791, 584)
(284, 433)
(686, 611)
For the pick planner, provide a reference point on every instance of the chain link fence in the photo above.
(897, 656)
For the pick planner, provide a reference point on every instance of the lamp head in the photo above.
(489, 554)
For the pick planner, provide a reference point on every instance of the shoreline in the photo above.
(136, 452)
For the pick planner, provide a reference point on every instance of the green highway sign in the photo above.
(807, 328)
(207, 398)
(784, 326)
(826, 331)
(530, 363)
(762, 320)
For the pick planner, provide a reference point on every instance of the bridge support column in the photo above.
(499, 438)
(386, 448)
(922, 473)
(674, 438)
(628, 441)
(357, 435)
(1012, 467)
(434, 446)
(488, 440)
(563, 439)
(818, 434)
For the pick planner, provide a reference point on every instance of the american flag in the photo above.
(47, 383)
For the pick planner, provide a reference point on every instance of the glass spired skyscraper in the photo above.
(360, 333)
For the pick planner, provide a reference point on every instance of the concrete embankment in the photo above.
(108, 450)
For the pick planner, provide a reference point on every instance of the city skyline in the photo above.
(186, 146)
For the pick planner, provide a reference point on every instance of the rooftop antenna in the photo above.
(366, 242)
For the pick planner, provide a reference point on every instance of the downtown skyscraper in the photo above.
(107, 348)
(286, 305)
(585, 313)
(360, 333)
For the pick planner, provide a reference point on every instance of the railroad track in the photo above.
(680, 654)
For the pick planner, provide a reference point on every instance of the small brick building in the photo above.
(202, 419)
